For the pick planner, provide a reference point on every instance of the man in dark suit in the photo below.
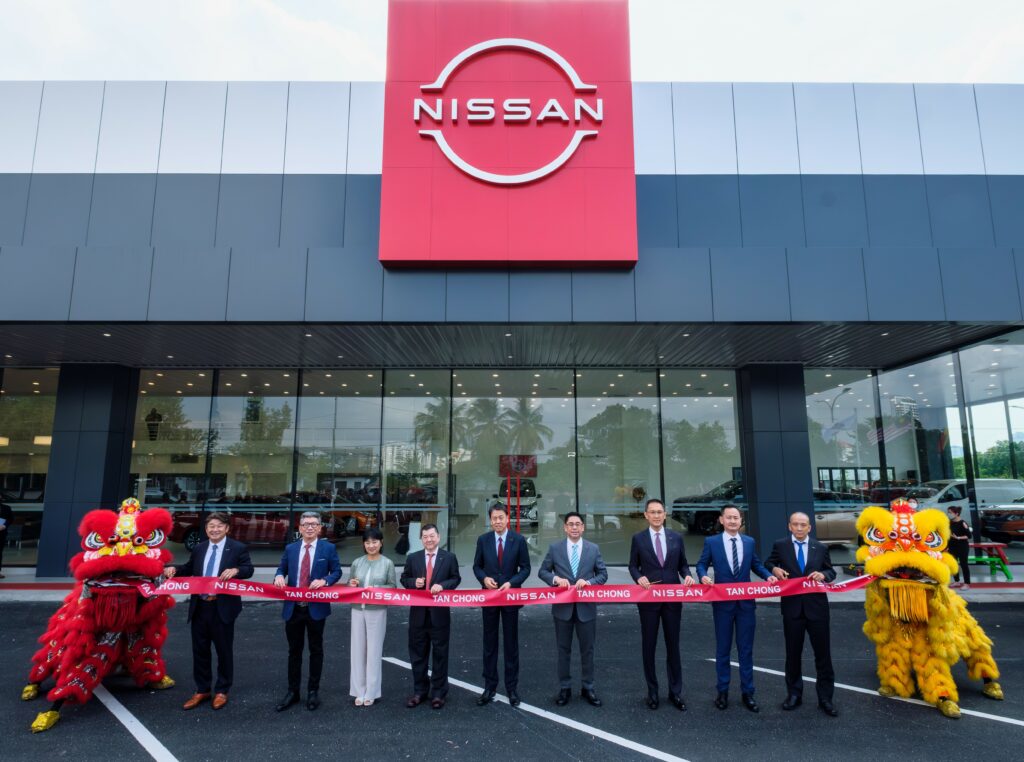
(313, 563)
(799, 555)
(213, 616)
(576, 562)
(733, 557)
(657, 557)
(435, 570)
(502, 560)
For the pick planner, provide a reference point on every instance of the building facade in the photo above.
(824, 313)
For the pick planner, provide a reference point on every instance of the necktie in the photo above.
(211, 565)
(735, 558)
(304, 569)
(430, 569)
(800, 556)
(657, 548)
(501, 552)
(574, 560)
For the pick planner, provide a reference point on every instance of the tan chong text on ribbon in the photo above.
(516, 596)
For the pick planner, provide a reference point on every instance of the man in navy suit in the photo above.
(213, 616)
(502, 560)
(576, 562)
(430, 627)
(313, 563)
(733, 557)
(800, 555)
(657, 557)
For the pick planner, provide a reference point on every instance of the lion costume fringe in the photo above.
(919, 626)
(104, 622)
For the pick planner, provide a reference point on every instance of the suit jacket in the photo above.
(446, 574)
(811, 605)
(325, 565)
(643, 561)
(591, 568)
(234, 556)
(515, 567)
(715, 555)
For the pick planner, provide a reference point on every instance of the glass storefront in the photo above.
(27, 402)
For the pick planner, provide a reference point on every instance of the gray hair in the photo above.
(310, 515)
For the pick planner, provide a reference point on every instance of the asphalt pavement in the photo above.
(869, 726)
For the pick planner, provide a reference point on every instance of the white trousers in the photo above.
(368, 630)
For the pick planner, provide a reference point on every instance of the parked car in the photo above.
(699, 513)
(1004, 523)
(942, 493)
(835, 517)
(351, 522)
(525, 502)
(268, 528)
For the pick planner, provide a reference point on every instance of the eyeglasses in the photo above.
(310, 525)
(574, 524)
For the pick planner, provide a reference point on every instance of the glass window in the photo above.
(251, 457)
(169, 448)
(843, 440)
(415, 453)
(28, 398)
(338, 462)
(617, 456)
(700, 449)
(514, 444)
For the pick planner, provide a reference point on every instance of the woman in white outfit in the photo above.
(369, 621)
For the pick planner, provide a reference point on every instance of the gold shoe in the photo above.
(992, 690)
(885, 690)
(31, 691)
(949, 708)
(163, 683)
(45, 721)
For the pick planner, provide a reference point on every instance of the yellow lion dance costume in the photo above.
(918, 625)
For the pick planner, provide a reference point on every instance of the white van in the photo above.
(943, 493)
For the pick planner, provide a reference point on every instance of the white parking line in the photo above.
(149, 742)
(869, 692)
(580, 726)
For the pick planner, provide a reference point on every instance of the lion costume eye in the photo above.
(873, 535)
(156, 537)
(93, 541)
(933, 540)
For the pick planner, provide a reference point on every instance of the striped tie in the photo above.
(574, 560)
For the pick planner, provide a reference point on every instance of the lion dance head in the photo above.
(105, 621)
(919, 626)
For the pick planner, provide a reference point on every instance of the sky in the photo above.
(671, 40)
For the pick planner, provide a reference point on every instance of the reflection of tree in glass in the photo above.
(175, 426)
(24, 417)
(618, 449)
(262, 428)
(526, 429)
(488, 426)
(431, 427)
(697, 457)
(994, 463)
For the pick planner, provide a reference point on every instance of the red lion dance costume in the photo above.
(104, 622)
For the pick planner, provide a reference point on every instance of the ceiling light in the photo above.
(106, 335)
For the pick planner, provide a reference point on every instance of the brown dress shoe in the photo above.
(220, 700)
(195, 700)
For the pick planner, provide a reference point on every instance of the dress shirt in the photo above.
(727, 539)
(220, 556)
(568, 551)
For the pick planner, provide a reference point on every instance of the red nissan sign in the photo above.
(508, 134)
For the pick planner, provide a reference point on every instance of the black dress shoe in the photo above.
(513, 698)
(828, 708)
(791, 702)
(312, 700)
(485, 698)
(677, 702)
(291, 697)
(749, 703)
(415, 700)
(652, 700)
(591, 697)
(563, 697)
(722, 700)
(437, 703)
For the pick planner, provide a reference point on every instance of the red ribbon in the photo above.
(516, 596)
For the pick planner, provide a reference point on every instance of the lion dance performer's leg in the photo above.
(46, 660)
(934, 679)
(143, 657)
(976, 649)
(892, 648)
